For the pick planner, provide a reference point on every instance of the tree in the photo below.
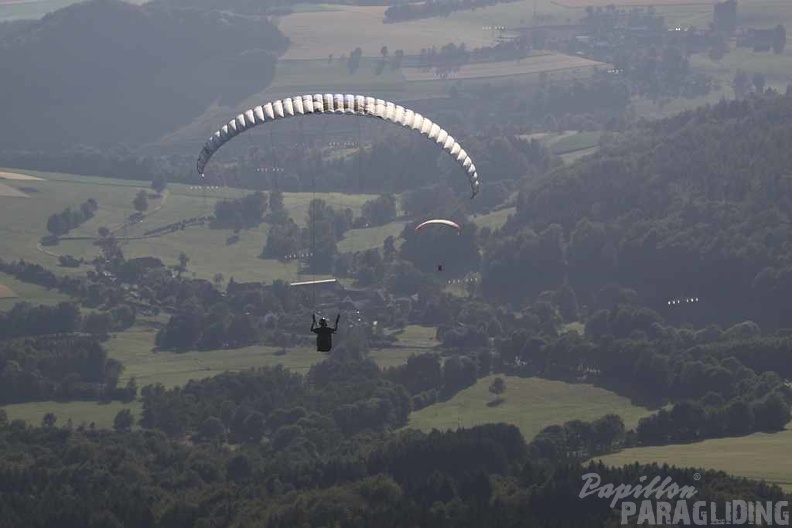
(218, 280)
(104, 232)
(389, 249)
(212, 429)
(140, 202)
(758, 80)
(276, 201)
(354, 60)
(183, 260)
(741, 84)
(98, 323)
(55, 225)
(124, 421)
(497, 387)
(158, 183)
(779, 39)
(48, 422)
(396, 59)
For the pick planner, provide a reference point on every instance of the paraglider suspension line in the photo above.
(312, 256)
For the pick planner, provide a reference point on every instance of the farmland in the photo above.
(134, 348)
(530, 403)
(339, 30)
(6, 191)
(757, 456)
(24, 225)
(6, 292)
(578, 4)
(13, 291)
(80, 412)
(532, 65)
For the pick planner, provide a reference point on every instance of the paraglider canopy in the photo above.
(438, 221)
(339, 104)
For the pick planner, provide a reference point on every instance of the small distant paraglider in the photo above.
(686, 300)
(439, 221)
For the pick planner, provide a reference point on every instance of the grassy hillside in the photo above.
(758, 456)
(530, 403)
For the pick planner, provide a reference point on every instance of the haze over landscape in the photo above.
(602, 286)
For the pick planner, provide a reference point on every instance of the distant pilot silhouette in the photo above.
(324, 334)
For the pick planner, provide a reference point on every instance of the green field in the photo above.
(28, 292)
(571, 157)
(417, 336)
(80, 412)
(751, 13)
(757, 456)
(134, 349)
(571, 141)
(373, 237)
(530, 403)
(23, 221)
(495, 219)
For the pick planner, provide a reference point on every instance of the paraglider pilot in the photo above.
(324, 334)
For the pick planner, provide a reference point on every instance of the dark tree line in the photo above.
(61, 368)
(241, 213)
(484, 477)
(26, 319)
(61, 223)
(337, 398)
(400, 12)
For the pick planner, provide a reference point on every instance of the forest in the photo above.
(125, 69)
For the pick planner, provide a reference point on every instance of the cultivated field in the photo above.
(535, 64)
(6, 292)
(24, 291)
(340, 29)
(17, 176)
(6, 191)
(530, 403)
(758, 456)
(577, 4)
